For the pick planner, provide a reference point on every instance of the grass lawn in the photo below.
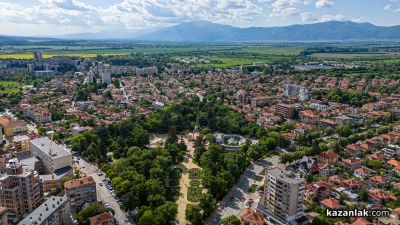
(259, 178)
(9, 87)
(195, 183)
(194, 194)
(253, 188)
(194, 174)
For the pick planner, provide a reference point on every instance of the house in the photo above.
(328, 157)
(361, 172)
(354, 184)
(336, 179)
(307, 165)
(326, 170)
(352, 163)
(249, 217)
(330, 203)
(379, 197)
(317, 190)
(327, 123)
(379, 181)
(308, 117)
(361, 221)
(354, 150)
(11, 126)
(102, 219)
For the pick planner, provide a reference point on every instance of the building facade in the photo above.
(80, 191)
(283, 196)
(20, 190)
(54, 211)
(53, 156)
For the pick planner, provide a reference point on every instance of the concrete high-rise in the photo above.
(283, 196)
(20, 190)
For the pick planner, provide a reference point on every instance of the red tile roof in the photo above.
(250, 216)
(331, 203)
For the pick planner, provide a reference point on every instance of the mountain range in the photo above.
(208, 32)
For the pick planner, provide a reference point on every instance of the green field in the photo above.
(355, 55)
(9, 87)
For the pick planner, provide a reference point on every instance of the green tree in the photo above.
(231, 220)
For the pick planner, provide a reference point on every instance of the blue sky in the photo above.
(58, 17)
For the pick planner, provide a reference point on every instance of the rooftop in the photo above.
(42, 212)
(45, 145)
(285, 175)
(79, 182)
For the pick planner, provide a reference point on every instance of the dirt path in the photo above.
(184, 183)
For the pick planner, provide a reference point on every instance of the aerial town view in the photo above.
(214, 112)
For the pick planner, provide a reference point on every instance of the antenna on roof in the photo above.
(50, 150)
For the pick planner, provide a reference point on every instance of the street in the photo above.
(103, 194)
(234, 201)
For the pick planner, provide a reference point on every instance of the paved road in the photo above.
(103, 194)
(233, 202)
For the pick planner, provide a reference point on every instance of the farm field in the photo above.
(355, 55)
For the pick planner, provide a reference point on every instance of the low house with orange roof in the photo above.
(328, 157)
(102, 219)
(375, 156)
(341, 223)
(352, 163)
(361, 172)
(330, 203)
(327, 123)
(308, 117)
(379, 181)
(397, 186)
(354, 150)
(388, 138)
(395, 164)
(249, 217)
(354, 184)
(379, 197)
(336, 179)
(317, 190)
(361, 221)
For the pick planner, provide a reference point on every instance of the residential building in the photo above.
(284, 195)
(37, 56)
(80, 191)
(301, 92)
(53, 156)
(11, 126)
(20, 190)
(21, 143)
(54, 211)
(102, 219)
(261, 101)
(285, 110)
(36, 113)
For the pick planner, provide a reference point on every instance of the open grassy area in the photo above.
(355, 55)
(9, 87)
(30, 55)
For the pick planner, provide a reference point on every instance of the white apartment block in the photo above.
(53, 156)
(283, 196)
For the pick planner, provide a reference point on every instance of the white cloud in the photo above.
(307, 17)
(323, 3)
(327, 18)
(387, 7)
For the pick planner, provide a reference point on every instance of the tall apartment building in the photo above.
(54, 211)
(20, 190)
(285, 110)
(301, 92)
(53, 156)
(80, 191)
(283, 196)
(37, 56)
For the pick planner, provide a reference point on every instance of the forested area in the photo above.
(145, 179)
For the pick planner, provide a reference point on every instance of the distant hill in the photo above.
(204, 31)
(18, 39)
